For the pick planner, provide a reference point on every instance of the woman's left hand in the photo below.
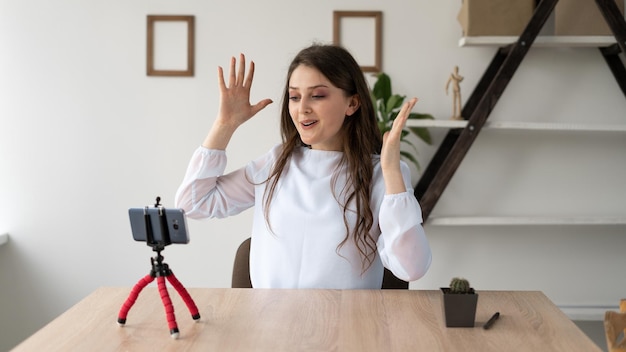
(390, 153)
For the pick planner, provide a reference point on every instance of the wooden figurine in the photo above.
(455, 79)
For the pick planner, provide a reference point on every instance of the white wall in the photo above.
(85, 135)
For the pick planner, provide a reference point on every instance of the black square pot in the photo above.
(459, 309)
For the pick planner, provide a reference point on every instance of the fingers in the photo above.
(248, 81)
(242, 70)
(231, 77)
(236, 77)
(261, 105)
(403, 115)
(220, 78)
(409, 106)
(390, 153)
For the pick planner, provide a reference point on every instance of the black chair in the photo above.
(241, 271)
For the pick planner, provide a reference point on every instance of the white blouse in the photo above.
(300, 247)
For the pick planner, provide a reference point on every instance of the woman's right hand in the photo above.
(235, 107)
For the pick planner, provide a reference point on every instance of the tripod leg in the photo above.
(132, 297)
(169, 308)
(191, 305)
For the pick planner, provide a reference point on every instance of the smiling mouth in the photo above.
(308, 123)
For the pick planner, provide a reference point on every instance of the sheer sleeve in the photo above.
(402, 244)
(206, 192)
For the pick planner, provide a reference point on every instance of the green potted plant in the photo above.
(387, 106)
(459, 303)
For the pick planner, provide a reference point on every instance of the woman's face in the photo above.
(318, 108)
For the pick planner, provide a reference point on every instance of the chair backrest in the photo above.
(241, 271)
(241, 267)
(615, 328)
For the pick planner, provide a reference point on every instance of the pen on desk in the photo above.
(491, 320)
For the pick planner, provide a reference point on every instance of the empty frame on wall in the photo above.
(170, 45)
(361, 33)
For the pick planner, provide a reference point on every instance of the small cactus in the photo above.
(460, 285)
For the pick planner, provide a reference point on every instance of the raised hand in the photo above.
(235, 107)
(390, 153)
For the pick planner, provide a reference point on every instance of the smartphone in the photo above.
(165, 225)
(176, 221)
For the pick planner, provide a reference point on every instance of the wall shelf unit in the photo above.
(526, 126)
(542, 41)
(461, 134)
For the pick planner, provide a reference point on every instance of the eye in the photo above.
(294, 98)
(318, 96)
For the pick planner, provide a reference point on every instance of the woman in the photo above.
(333, 202)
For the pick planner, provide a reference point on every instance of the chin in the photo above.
(306, 141)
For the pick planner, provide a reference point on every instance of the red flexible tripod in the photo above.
(160, 271)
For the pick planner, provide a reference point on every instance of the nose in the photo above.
(305, 106)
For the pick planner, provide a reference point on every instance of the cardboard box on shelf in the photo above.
(581, 17)
(495, 17)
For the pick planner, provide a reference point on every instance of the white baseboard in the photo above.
(586, 312)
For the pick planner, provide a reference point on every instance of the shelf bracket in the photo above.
(612, 16)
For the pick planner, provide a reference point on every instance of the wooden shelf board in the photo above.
(490, 221)
(437, 123)
(541, 41)
(513, 125)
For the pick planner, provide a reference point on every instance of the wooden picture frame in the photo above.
(152, 48)
(368, 54)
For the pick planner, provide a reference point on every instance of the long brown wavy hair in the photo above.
(361, 139)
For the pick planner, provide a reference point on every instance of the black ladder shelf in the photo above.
(489, 89)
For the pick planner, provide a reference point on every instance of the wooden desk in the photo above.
(309, 320)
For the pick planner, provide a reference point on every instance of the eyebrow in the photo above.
(312, 87)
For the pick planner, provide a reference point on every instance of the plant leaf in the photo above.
(411, 158)
(383, 127)
(418, 116)
(394, 102)
(423, 133)
(408, 142)
(382, 87)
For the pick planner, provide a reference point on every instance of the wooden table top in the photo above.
(309, 320)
